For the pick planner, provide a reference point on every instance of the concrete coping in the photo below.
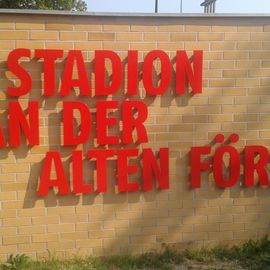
(138, 15)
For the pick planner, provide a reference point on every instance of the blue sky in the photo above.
(189, 6)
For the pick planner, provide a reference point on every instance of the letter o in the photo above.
(234, 166)
(165, 77)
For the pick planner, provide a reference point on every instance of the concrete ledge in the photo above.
(125, 14)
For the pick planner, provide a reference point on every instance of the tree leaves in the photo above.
(73, 5)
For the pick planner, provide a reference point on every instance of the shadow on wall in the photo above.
(51, 139)
(183, 210)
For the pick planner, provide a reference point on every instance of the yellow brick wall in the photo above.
(235, 98)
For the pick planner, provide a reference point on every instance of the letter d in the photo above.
(68, 121)
(101, 87)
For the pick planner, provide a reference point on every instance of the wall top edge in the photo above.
(138, 15)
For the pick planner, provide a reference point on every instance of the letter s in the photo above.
(15, 67)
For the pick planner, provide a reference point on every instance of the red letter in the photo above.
(100, 73)
(130, 123)
(17, 121)
(82, 82)
(68, 121)
(260, 166)
(150, 166)
(234, 166)
(49, 57)
(2, 139)
(20, 72)
(184, 72)
(124, 170)
(103, 122)
(77, 172)
(133, 73)
(197, 166)
(46, 182)
(101, 156)
(148, 72)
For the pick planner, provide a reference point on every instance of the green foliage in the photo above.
(75, 264)
(55, 264)
(17, 262)
(74, 5)
(253, 255)
(151, 260)
(203, 255)
(163, 260)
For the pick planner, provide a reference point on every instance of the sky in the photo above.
(173, 6)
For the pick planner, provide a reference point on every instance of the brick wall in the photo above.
(235, 98)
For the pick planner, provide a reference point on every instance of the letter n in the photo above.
(151, 167)
(18, 123)
(184, 73)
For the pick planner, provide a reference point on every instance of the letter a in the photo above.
(46, 182)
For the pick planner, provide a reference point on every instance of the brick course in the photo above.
(234, 99)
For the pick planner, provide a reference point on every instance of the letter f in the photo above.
(197, 166)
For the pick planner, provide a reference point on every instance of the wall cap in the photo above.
(125, 14)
